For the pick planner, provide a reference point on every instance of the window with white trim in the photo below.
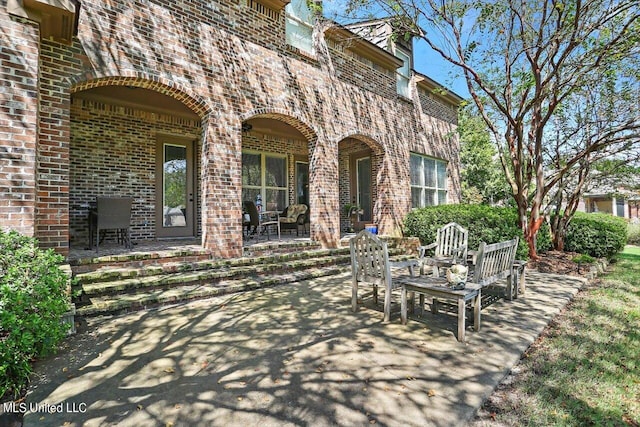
(265, 174)
(299, 25)
(403, 74)
(428, 181)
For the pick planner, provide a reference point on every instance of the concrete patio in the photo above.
(288, 355)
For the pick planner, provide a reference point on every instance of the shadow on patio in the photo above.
(290, 355)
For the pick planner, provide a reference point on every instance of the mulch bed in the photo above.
(560, 263)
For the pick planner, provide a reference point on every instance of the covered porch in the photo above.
(131, 139)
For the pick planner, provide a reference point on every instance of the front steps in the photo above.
(122, 283)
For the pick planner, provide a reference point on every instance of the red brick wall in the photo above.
(228, 61)
(18, 123)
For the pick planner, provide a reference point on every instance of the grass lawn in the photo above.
(585, 369)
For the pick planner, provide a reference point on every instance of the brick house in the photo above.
(231, 98)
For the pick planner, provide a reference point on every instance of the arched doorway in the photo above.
(131, 139)
(275, 162)
(360, 162)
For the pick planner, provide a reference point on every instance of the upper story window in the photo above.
(403, 74)
(428, 181)
(299, 29)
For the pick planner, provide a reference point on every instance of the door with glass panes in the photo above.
(361, 187)
(175, 206)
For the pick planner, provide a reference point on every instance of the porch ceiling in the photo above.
(274, 127)
(138, 98)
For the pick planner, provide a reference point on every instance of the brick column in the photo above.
(323, 193)
(52, 200)
(221, 187)
(18, 124)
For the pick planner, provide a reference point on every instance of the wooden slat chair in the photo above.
(370, 265)
(449, 248)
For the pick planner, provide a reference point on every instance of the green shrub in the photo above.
(633, 233)
(599, 235)
(32, 300)
(485, 224)
(583, 259)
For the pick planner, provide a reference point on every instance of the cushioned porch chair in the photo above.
(293, 217)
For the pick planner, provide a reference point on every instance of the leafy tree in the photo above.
(584, 122)
(524, 62)
(482, 177)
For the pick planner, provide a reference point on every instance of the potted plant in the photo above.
(352, 211)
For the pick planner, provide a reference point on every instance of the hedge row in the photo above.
(485, 224)
(597, 234)
(633, 233)
(32, 300)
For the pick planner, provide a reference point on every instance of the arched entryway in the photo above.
(360, 160)
(276, 154)
(136, 138)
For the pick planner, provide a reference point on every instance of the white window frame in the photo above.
(403, 74)
(263, 176)
(440, 178)
(302, 39)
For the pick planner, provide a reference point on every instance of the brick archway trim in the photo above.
(284, 116)
(371, 141)
(159, 84)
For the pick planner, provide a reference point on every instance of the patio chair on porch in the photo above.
(293, 217)
(251, 218)
(260, 221)
(113, 213)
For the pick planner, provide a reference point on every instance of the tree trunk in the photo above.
(558, 232)
(528, 227)
(558, 242)
(530, 237)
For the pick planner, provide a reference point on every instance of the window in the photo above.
(403, 74)
(299, 28)
(265, 174)
(619, 206)
(428, 181)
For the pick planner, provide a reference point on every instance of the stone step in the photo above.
(142, 258)
(116, 273)
(120, 303)
(118, 284)
(276, 247)
(138, 260)
(210, 275)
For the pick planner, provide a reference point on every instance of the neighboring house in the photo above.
(616, 201)
(193, 106)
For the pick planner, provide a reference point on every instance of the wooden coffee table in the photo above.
(437, 288)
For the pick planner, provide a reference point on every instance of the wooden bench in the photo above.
(494, 262)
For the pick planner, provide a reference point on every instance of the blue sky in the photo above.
(430, 63)
(425, 60)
